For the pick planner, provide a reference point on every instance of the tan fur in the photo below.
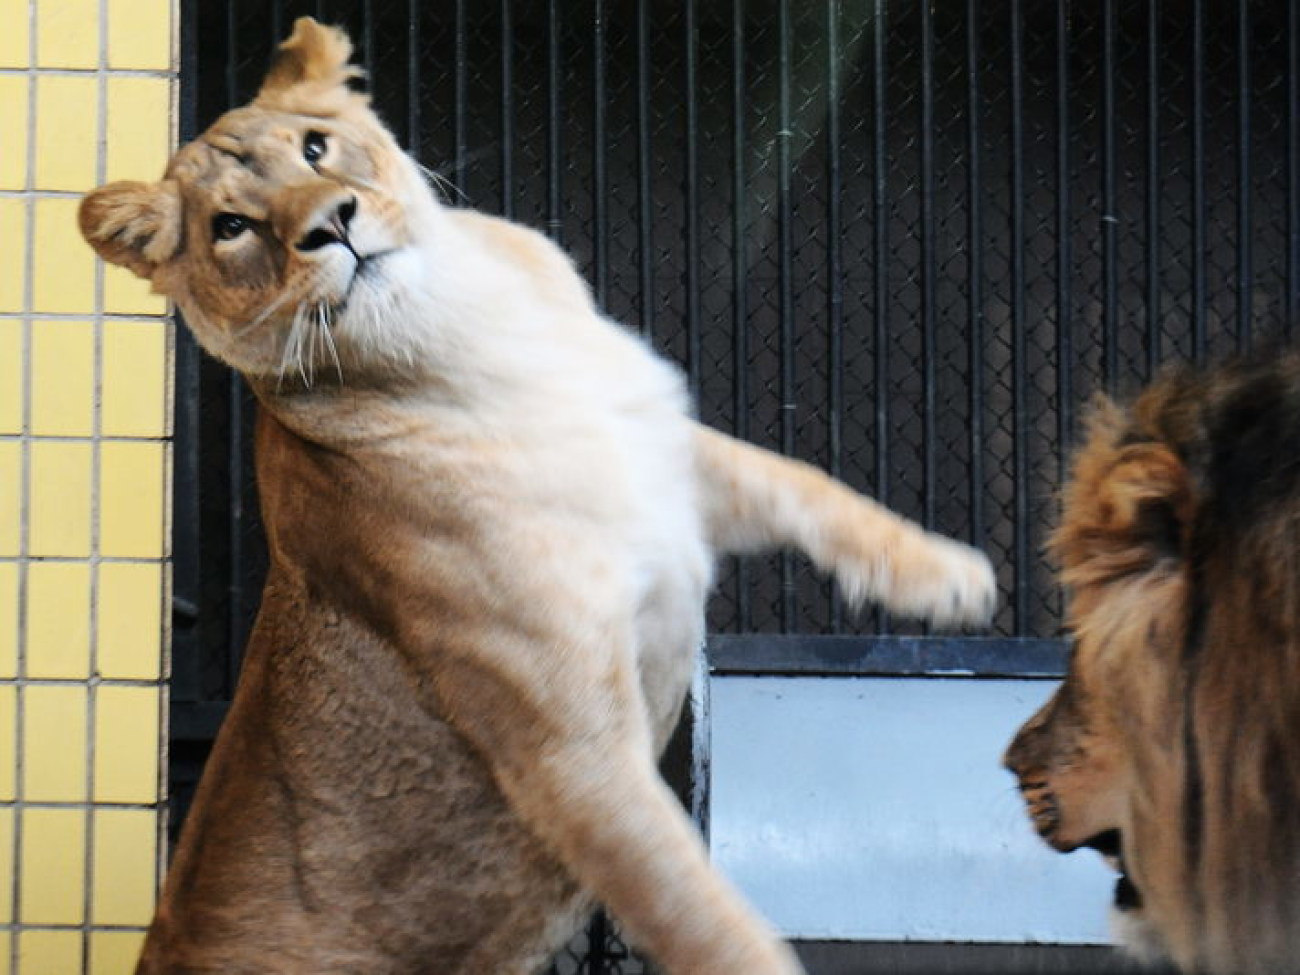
(1179, 722)
(492, 525)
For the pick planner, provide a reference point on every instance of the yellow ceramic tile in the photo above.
(125, 867)
(15, 21)
(60, 499)
(130, 621)
(52, 887)
(66, 132)
(58, 620)
(13, 242)
(8, 742)
(139, 127)
(11, 376)
(54, 743)
(47, 952)
(13, 129)
(134, 396)
(125, 294)
(8, 621)
(6, 865)
(126, 744)
(63, 265)
(139, 34)
(131, 512)
(63, 379)
(11, 493)
(67, 33)
(114, 952)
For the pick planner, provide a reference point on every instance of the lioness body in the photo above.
(492, 522)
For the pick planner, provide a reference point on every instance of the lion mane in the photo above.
(1173, 745)
(492, 522)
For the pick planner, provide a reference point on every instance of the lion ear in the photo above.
(136, 225)
(1127, 506)
(313, 53)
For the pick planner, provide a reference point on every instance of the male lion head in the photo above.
(289, 230)
(1173, 745)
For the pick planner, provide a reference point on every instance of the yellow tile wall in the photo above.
(87, 94)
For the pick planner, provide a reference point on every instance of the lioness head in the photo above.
(288, 230)
(1173, 745)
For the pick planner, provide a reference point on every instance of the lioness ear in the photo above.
(1126, 507)
(313, 53)
(136, 225)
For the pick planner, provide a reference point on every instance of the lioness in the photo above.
(492, 524)
(1173, 746)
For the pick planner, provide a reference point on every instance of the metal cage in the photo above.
(905, 241)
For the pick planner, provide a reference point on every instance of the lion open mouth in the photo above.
(1111, 846)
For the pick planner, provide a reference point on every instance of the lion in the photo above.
(1173, 744)
(492, 522)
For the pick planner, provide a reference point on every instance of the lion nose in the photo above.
(331, 227)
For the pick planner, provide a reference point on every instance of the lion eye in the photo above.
(228, 226)
(313, 147)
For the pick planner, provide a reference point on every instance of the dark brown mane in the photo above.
(1200, 481)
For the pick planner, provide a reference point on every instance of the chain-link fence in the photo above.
(903, 240)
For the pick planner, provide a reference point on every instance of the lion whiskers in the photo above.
(327, 333)
(263, 315)
(441, 183)
(310, 337)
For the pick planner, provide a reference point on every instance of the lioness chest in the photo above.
(583, 503)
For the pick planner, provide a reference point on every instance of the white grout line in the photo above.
(96, 474)
(160, 73)
(24, 514)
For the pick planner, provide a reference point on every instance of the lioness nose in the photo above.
(331, 227)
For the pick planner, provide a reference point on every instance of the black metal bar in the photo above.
(645, 207)
(507, 110)
(1292, 168)
(461, 97)
(187, 561)
(597, 940)
(785, 276)
(599, 161)
(235, 446)
(880, 263)
(886, 656)
(1019, 421)
(277, 20)
(975, 275)
(413, 78)
(1199, 339)
(1154, 323)
(692, 148)
(554, 126)
(1064, 249)
(834, 271)
(367, 36)
(1245, 272)
(1109, 204)
(928, 270)
(740, 274)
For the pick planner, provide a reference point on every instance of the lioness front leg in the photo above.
(570, 748)
(755, 499)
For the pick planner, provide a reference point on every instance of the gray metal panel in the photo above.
(876, 809)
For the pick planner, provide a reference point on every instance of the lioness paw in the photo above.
(925, 576)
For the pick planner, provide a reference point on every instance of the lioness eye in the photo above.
(313, 147)
(228, 226)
